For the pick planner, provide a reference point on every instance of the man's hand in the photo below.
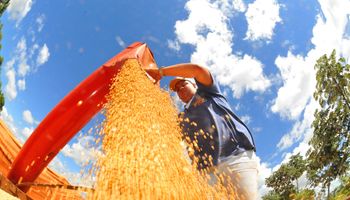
(155, 74)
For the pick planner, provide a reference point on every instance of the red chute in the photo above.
(71, 115)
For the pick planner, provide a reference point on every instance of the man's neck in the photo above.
(189, 102)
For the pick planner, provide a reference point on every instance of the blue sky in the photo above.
(262, 53)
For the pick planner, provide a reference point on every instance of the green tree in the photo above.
(328, 157)
(297, 166)
(2, 98)
(3, 6)
(282, 179)
(281, 182)
(272, 196)
(305, 194)
(343, 191)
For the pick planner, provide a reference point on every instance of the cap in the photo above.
(173, 82)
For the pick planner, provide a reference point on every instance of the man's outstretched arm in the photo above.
(186, 70)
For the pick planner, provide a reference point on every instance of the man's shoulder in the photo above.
(212, 89)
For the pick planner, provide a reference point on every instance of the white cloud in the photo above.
(43, 56)
(288, 44)
(330, 34)
(246, 119)
(237, 107)
(10, 88)
(74, 178)
(120, 41)
(22, 59)
(21, 84)
(26, 132)
(227, 6)
(18, 9)
(19, 60)
(32, 51)
(303, 181)
(23, 69)
(334, 184)
(301, 149)
(257, 129)
(9, 65)
(189, 31)
(31, 34)
(40, 21)
(212, 40)
(28, 117)
(174, 45)
(298, 74)
(21, 46)
(79, 179)
(262, 17)
(241, 74)
(300, 128)
(18, 66)
(5, 116)
(299, 80)
(264, 172)
(239, 5)
(82, 151)
(8, 119)
(57, 165)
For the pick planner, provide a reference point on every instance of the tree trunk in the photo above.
(297, 184)
(328, 188)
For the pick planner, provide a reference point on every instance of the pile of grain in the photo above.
(143, 158)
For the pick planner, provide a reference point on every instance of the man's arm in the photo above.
(186, 70)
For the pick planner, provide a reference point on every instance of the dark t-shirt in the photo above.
(212, 129)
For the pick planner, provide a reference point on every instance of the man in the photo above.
(221, 142)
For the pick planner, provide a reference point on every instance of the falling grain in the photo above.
(142, 153)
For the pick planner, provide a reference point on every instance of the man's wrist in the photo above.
(161, 72)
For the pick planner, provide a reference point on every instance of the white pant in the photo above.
(242, 172)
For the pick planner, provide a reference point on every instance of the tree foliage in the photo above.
(282, 179)
(343, 191)
(328, 157)
(306, 194)
(3, 6)
(281, 182)
(297, 166)
(272, 196)
(2, 98)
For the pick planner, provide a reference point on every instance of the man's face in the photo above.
(185, 90)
